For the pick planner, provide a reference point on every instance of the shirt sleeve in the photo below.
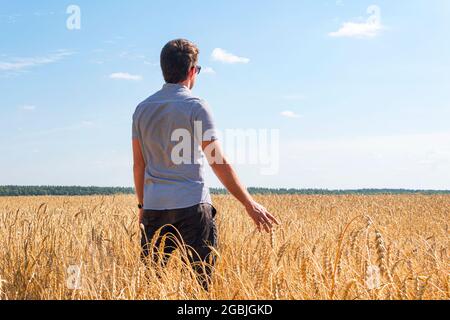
(134, 130)
(204, 124)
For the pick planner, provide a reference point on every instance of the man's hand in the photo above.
(261, 217)
(226, 174)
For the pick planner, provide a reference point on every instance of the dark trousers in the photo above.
(194, 229)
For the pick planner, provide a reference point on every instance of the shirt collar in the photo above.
(175, 86)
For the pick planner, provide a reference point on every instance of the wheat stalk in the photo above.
(319, 254)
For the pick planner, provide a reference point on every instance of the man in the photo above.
(172, 195)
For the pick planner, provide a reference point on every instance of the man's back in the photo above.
(169, 185)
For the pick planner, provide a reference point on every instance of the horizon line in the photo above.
(222, 188)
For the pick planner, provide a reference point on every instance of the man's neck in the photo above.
(186, 83)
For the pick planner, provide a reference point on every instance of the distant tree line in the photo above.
(344, 192)
(61, 191)
(85, 191)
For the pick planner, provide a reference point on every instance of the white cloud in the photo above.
(28, 107)
(42, 14)
(357, 30)
(367, 29)
(12, 18)
(208, 70)
(99, 62)
(226, 57)
(290, 114)
(78, 126)
(125, 76)
(21, 64)
(133, 56)
(149, 63)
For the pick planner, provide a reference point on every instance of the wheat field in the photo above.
(329, 247)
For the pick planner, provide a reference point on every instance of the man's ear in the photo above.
(192, 72)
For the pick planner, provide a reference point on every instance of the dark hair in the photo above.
(177, 58)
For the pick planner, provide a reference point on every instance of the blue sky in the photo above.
(358, 102)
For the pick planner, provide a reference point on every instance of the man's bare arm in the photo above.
(227, 175)
(139, 173)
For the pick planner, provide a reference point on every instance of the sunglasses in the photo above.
(198, 69)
